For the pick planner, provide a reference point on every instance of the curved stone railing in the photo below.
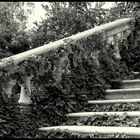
(112, 33)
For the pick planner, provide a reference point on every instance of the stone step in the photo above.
(138, 34)
(133, 93)
(136, 72)
(114, 101)
(138, 31)
(133, 132)
(126, 84)
(83, 114)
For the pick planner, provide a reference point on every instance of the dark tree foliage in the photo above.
(65, 19)
(13, 38)
(130, 48)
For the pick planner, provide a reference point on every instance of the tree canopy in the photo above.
(13, 38)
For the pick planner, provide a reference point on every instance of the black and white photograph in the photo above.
(69, 69)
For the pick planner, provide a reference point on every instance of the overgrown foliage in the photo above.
(64, 19)
(130, 50)
(114, 120)
(69, 134)
(13, 38)
(114, 107)
(64, 78)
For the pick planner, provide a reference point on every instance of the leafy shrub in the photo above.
(65, 78)
(69, 134)
(130, 49)
(115, 107)
(105, 120)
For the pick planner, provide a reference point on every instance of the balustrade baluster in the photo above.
(26, 91)
(116, 47)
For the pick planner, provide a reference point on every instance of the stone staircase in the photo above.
(127, 92)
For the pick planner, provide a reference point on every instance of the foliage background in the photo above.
(65, 78)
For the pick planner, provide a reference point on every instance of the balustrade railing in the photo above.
(112, 32)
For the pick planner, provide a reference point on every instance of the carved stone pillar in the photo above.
(60, 69)
(95, 56)
(126, 33)
(117, 51)
(8, 87)
(25, 91)
(116, 46)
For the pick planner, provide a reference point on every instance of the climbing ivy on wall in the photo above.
(68, 76)
(130, 49)
(65, 78)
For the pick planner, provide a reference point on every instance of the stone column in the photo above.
(126, 33)
(60, 69)
(95, 56)
(117, 51)
(116, 46)
(25, 91)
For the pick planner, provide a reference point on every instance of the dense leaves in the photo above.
(64, 19)
(115, 107)
(65, 78)
(13, 38)
(69, 134)
(130, 52)
(105, 120)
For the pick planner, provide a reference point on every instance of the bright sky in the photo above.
(38, 12)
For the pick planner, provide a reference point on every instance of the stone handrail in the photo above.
(108, 29)
(112, 32)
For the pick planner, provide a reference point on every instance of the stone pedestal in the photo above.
(24, 97)
(117, 51)
(25, 91)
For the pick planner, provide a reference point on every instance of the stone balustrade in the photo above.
(25, 92)
(112, 33)
(115, 34)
